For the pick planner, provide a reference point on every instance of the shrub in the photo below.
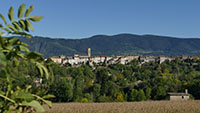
(84, 100)
(120, 97)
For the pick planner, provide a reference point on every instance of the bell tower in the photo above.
(89, 52)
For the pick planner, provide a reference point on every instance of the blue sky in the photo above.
(85, 18)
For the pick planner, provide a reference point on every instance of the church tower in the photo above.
(89, 52)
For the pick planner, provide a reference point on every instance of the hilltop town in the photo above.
(91, 60)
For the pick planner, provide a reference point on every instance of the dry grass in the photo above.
(128, 107)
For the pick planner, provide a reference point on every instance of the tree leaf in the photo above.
(12, 28)
(29, 10)
(17, 26)
(7, 98)
(1, 34)
(48, 96)
(11, 42)
(28, 87)
(35, 56)
(42, 69)
(22, 48)
(11, 13)
(29, 24)
(22, 24)
(21, 94)
(3, 18)
(35, 18)
(21, 10)
(15, 62)
(26, 26)
(22, 34)
(24, 44)
(38, 65)
(46, 72)
(35, 104)
(8, 30)
(1, 26)
(20, 55)
(49, 103)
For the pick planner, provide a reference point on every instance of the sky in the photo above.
(85, 18)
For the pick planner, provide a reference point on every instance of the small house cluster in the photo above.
(84, 59)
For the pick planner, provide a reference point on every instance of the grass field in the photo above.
(128, 107)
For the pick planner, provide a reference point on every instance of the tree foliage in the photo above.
(16, 96)
(130, 82)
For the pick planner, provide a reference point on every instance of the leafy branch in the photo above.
(20, 26)
(13, 50)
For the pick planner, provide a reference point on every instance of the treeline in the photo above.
(112, 83)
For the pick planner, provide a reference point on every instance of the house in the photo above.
(179, 96)
(59, 59)
(184, 57)
(142, 59)
(56, 59)
(98, 59)
(163, 59)
(150, 59)
(127, 59)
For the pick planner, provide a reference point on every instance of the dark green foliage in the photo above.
(133, 95)
(140, 95)
(130, 82)
(148, 93)
(123, 44)
(194, 88)
(96, 90)
(62, 90)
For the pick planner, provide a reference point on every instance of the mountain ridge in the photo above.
(120, 44)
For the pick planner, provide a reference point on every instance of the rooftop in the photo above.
(178, 94)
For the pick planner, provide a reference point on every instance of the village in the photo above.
(77, 60)
(91, 60)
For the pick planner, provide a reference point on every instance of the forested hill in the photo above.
(122, 44)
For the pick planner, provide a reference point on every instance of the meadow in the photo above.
(128, 107)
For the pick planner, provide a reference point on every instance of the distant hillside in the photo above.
(122, 44)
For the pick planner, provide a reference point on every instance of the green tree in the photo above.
(148, 93)
(77, 94)
(133, 95)
(62, 91)
(96, 90)
(141, 95)
(160, 93)
(110, 89)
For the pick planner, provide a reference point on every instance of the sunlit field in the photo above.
(128, 107)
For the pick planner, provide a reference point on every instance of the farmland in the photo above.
(128, 107)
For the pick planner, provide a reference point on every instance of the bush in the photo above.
(120, 97)
(141, 95)
(84, 100)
